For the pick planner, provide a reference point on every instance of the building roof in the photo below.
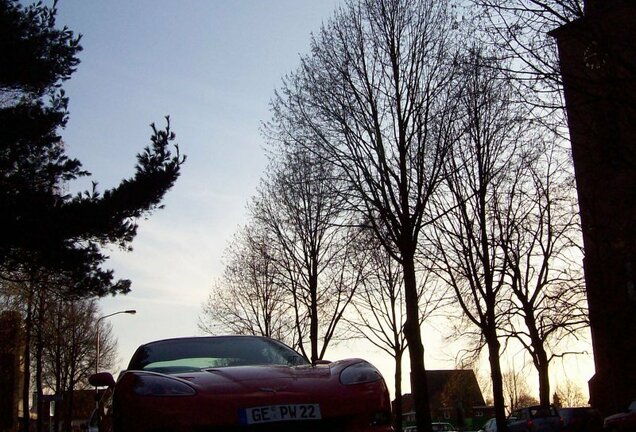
(447, 388)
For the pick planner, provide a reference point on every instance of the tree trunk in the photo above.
(70, 388)
(26, 390)
(397, 408)
(68, 415)
(39, 349)
(58, 373)
(419, 384)
(542, 364)
(497, 379)
(539, 355)
(56, 419)
(313, 331)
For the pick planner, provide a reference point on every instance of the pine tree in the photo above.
(41, 226)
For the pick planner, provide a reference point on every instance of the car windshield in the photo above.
(547, 411)
(533, 412)
(191, 354)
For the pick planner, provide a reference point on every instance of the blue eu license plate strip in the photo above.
(277, 413)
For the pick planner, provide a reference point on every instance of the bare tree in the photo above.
(543, 252)
(485, 384)
(69, 350)
(516, 390)
(519, 30)
(373, 99)
(379, 309)
(60, 335)
(300, 205)
(546, 276)
(248, 298)
(483, 174)
(23, 291)
(379, 315)
(570, 394)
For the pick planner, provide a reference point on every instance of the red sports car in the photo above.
(240, 383)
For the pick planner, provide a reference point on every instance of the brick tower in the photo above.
(598, 63)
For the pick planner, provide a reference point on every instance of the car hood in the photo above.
(222, 394)
(272, 378)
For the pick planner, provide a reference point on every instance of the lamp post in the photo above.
(130, 311)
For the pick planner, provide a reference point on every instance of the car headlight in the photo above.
(154, 385)
(359, 373)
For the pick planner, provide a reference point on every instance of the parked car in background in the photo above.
(437, 427)
(443, 427)
(232, 383)
(625, 421)
(540, 418)
(490, 425)
(581, 419)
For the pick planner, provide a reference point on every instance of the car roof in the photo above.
(575, 408)
(185, 338)
(166, 343)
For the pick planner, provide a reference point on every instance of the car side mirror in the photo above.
(102, 379)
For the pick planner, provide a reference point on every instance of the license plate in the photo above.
(276, 413)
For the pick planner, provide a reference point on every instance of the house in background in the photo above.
(11, 370)
(455, 398)
(74, 407)
(84, 402)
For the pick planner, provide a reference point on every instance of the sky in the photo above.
(212, 66)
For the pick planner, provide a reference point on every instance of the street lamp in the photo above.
(130, 311)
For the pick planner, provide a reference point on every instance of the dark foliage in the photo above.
(35, 55)
(41, 226)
